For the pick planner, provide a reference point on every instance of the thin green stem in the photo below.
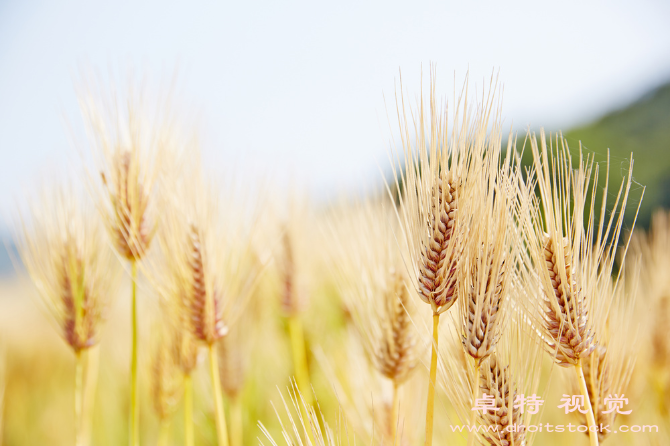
(236, 424)
(79, 398)
(134, 393)
(590, 419)
(189, 437)
(221, 429)
(299, 357)
(430, 405)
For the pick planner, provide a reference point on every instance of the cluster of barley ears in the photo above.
(476, 233)
(462, 280)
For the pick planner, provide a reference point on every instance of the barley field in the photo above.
(491, 290)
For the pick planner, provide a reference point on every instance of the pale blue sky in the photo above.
(298, 86)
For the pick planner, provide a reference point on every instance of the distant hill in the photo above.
(642, 128)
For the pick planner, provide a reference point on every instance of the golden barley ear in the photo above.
(206, 312)
(130, 226)
(206, 258)
(508, 375)
(512, 370)
(131, 135)
(492, 260)
(62, 246)
(435, 172)
(566, 312)
(481, 324)
(574, 247)
(496, 382)
(437, 280)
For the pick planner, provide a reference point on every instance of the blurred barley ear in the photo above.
(209, 276)
(376, 294)
(608, 369)
(291, 302)
(653, 251)
(186, 355)
(166, 371)
(66, 256)
(397, 356)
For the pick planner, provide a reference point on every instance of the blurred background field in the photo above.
(300, 94)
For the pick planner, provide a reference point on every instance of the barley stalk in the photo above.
(134, 385)
(236, 421)
(164, 434)
(430, 404)
(395, 407)
(79, 399)
(590, 419)
(220, 417)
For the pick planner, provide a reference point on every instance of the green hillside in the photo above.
(642, 128)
